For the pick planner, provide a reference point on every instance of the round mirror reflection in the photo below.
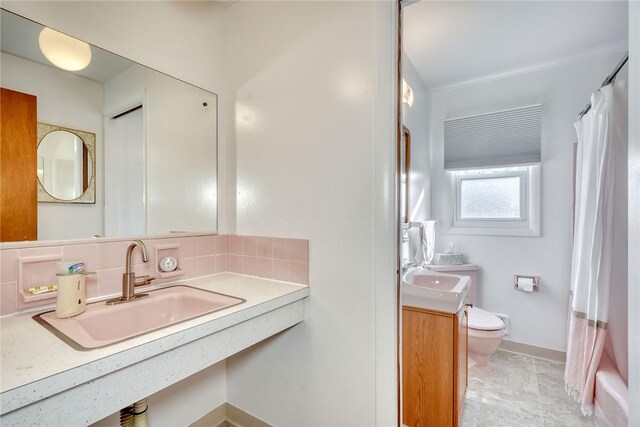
(64, 165)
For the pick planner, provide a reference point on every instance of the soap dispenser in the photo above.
(71, 295)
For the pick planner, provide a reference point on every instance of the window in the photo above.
(499, 201)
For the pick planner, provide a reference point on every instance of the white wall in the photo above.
(183, 402)
(634, 212)
(180, 136)
(82, 110)
(304, 75)
(182, 39)
(537, 319)
(415, 118)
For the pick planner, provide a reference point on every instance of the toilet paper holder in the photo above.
(526, 283)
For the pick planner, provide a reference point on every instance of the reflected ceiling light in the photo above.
(407, 93)
(64, 51)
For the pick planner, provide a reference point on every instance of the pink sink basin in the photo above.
(433, 290)
(101, 325)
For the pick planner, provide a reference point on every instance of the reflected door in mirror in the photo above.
(18, 201)
(125, 180)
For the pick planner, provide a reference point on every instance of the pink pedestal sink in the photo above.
(101, 325)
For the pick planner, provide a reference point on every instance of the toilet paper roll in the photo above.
(525, 284)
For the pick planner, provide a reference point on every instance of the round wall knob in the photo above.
(168, 264)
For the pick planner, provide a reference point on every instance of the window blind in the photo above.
(498, 139)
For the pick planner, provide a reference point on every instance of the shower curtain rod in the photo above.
(610, 79)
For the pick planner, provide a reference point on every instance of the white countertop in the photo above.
(31, 354)
(459, 267)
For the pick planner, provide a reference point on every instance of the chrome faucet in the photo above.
(129, 279)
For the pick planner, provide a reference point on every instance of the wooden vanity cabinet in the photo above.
(434, 367)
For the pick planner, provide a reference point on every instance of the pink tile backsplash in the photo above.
(221, 263)
(299, 272)
(146, 269)
(234, 263)
(249, 265)
(265, 247)
(9, 265)
(190, 268)
(222, 244)
(235, 245)
(91, 286)
(111, 254)
(85, 253)
(264, 268)
(299, 250)
(110, 281)
(46, 250)
(281, 248)
(249, 245)
(188, 247)
(267, 257)
(8, 295)
(275, 258)
(206, 245)
(206, 265)
(281, 270)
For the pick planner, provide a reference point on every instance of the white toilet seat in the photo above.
(481, 320)
(489, 335)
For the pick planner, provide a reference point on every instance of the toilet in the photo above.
(485, 329)
(485, 333)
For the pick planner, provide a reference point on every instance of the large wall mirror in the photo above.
(114, 148)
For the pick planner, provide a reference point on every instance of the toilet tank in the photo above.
(470, 270)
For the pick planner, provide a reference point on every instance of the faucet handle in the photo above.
(144, 280)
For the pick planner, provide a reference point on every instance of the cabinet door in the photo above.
(463, 366)
(18, 152)
(428, 351)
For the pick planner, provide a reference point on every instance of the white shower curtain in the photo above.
(602, 140)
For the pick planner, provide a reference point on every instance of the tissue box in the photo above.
(448, 259)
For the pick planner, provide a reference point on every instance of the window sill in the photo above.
(496, 231)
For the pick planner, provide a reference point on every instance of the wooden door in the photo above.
(18, 154)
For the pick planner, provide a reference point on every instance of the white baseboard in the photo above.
(228, 412)
(534, 351)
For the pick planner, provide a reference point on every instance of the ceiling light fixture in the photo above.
(64, 51)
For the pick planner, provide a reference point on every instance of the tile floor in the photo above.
(520, 391)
